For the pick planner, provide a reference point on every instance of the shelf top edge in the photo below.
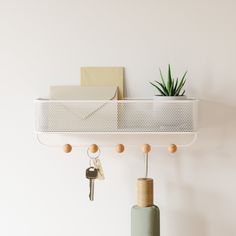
(129, 100)
(117, 133)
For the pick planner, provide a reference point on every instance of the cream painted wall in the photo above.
(45, 42)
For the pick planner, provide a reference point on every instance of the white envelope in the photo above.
(82, 109)
(69, 92)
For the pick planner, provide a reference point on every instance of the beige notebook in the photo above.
(103, 76)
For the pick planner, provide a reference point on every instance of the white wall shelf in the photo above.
(123, 117)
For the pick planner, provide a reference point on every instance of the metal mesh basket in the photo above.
(143, 116)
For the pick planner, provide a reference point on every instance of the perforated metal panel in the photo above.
(116, 116)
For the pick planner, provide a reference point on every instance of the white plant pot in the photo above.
(170, 114)
(169, 98)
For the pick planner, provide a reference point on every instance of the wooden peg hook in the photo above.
(120, 148)
(172, 148)
(67, 148)
(93, 148)
(146, 148)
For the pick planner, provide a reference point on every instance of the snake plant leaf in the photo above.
(162, 78)
(181, 84)
(169, 79)
(171, 87)
(161, 92)
(182, 94)
(185, 74)
(163, 87)
(179, 88)
(176, 83)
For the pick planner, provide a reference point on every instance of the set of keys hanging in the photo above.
(95, 170)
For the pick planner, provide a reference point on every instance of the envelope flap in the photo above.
(83, 110)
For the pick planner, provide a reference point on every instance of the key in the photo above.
(98, 165)
(91, 175)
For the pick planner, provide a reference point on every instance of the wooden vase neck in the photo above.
(145, 192)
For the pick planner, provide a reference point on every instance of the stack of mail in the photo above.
(87, 108)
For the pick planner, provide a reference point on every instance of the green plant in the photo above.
(170, 86)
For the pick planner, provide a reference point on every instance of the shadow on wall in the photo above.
(217, 126)
(218, 117)
(201, 198)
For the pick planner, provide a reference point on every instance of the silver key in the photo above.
(91, 174)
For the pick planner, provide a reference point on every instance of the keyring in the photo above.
(93, 157)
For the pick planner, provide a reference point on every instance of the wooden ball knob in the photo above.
(146, 148)
(93, 148)
(120, 148)
(172, 148)
(67, 148)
